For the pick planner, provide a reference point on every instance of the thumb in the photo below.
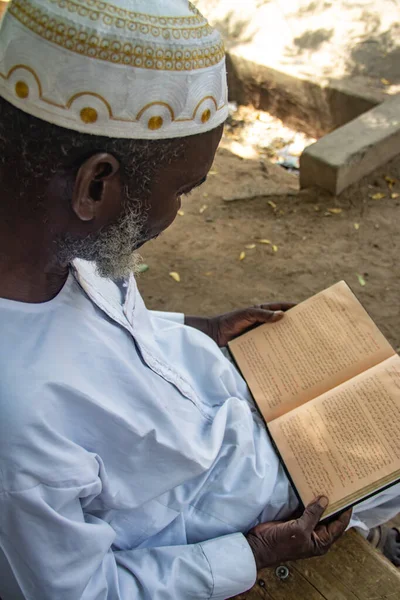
(261, 315)
(313, 513)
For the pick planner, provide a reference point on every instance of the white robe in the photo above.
(132, 457)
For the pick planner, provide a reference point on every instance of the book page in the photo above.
(318, 345)
(344, 444)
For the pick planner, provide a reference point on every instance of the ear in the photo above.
(96, 178)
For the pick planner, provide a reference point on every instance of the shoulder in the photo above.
(35, 443)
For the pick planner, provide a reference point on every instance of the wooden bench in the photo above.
(352, 570)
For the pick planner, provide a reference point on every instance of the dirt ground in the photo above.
(314, 248)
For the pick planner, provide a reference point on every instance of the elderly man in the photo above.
(133, 463)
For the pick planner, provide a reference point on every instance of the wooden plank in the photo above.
(269, 587)
(352, 570)
(395, 522)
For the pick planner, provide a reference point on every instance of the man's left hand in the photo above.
(224, 328)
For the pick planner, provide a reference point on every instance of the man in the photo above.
(133, 463)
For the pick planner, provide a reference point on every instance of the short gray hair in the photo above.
(32, 151)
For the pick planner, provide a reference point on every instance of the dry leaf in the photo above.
(316, 208)
(274, 248)
(391, 182)
(205, 195)
(242, 255)
(175, 276)
(143, 268)
(335, 211)
(214, 172)
(356, 226)
(395, 195)
(203, 208)
(271, 203)
(385, 81)
(378, 196)
(250, 246)
(361, 280)
(181, 213)
(264, 241)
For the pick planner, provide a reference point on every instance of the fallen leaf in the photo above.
(394, 195)
(208, 273)
(242, 255)
(356, 226)
(264, 241)
(271, 203)
(391, 182)
(175, 276)
(143, 268)
(316, 208)
(361, 280)
(335, 211)
(205, 195)
(274, 248)
(378, 196)
(385, 81)
(250, 246)
(181, 213)
(203, 208)
(214, 172)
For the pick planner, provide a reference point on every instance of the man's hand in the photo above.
(226, 327)
(277, 542)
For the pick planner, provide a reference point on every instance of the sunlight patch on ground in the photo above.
(255, 134)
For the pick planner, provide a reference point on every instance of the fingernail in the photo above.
(323, 502)
(278, 314)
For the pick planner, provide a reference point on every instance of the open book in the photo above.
(327, 384)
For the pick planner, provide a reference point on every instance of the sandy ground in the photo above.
(313, 247)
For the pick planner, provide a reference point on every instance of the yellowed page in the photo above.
(345, 444)
(318, 345)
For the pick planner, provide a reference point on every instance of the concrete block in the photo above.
(349, 153)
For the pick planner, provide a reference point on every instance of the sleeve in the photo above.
(56, 551)
(169, 316)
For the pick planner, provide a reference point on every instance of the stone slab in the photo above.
(349, 153)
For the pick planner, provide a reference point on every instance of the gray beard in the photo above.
(111, 247)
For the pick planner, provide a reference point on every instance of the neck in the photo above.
(29, 271)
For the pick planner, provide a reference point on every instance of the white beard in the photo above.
(110, 248)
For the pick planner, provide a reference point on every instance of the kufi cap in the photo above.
(144, 69)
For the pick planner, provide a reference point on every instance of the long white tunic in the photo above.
(131, 454)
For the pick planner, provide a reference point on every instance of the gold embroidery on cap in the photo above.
(91, 113)
(201, 102)
(108, 49)
(206, 115)
(86, 93)
(111, 9)
(123, 19)
(167, 106)
(88, 115)
(155, 123)
(22, 89)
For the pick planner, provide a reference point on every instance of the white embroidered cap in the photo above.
(144, 69)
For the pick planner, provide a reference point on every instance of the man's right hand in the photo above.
(276, 542)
